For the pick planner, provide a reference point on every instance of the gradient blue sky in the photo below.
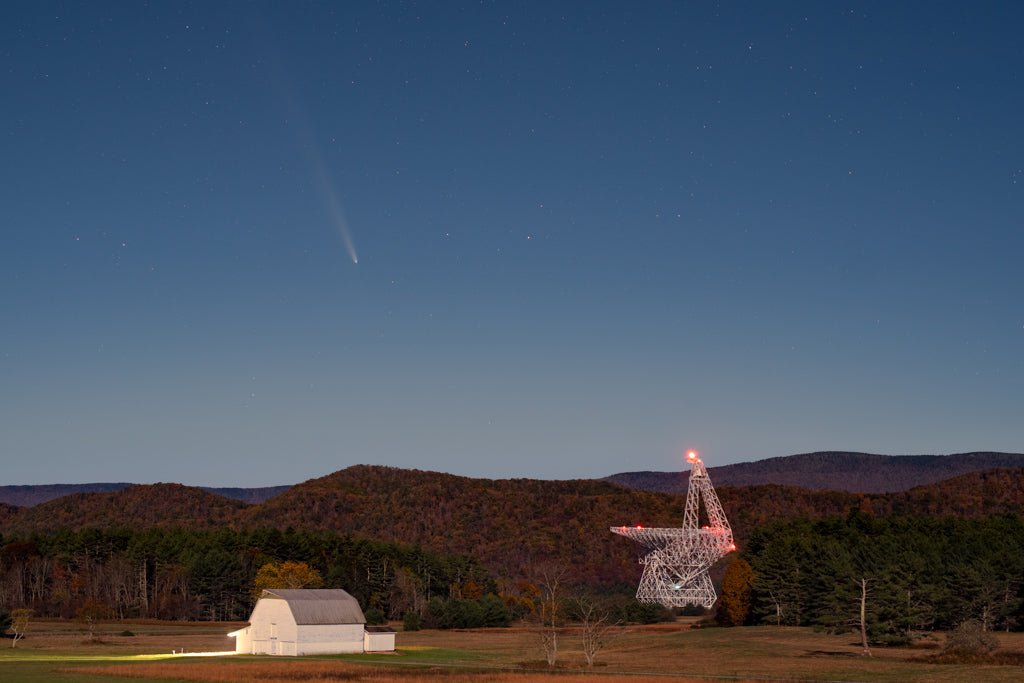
(589, 236)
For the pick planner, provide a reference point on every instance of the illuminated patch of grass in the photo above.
(28, 656)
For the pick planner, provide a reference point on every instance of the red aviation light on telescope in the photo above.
(732, 546)
(691, 456)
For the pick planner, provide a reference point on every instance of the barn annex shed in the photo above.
(303, 621)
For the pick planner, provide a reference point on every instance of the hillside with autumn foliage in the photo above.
(833, 471)
(140, 505)
(454, 550)
(510, 526)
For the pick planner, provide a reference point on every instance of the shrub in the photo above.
(412, 621)
(454, 613)
(621, 609)
(970, 639)
(890, 639)
(495, 611)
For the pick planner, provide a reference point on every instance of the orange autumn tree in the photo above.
(287, 574)
(734, 603)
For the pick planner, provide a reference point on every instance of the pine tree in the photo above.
(780, 593)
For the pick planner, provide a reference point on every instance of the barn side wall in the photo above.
(330, 639)
(243, 641)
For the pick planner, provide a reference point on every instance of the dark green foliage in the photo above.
(375, 617)
(199, 574)
(621, 609)
(412, 621)
(921, 573)
(639, 613)
(5, 620)
(495, 611)
(488, 611)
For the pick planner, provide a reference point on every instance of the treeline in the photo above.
(916, 573)
(188, 574)
(509, 526)
(475, 610)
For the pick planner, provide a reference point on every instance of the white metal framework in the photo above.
(676, 568)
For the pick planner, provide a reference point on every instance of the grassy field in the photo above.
(62, 651)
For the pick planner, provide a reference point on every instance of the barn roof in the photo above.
(319, 605)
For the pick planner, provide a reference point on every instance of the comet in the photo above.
(337, 214)
(306, 139)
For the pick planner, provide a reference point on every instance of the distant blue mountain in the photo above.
(832, 471)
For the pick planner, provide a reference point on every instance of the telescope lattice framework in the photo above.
(676, 568)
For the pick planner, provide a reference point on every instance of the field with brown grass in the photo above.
(162, 651)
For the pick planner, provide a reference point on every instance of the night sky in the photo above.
(253, 243)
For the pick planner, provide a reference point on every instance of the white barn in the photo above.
(303, 621)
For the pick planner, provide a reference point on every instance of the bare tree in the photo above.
(595, 626)
(91, 612)
(863, 616)
(19, 624)
(778, 607)
(549, 611)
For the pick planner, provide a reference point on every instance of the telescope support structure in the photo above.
(676, 566)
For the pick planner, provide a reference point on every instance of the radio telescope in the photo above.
(676, 568)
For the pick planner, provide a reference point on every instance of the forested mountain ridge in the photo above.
(137, 506)
(444, 546)
(510, 525)
(27, 495)
(259, 494)
(974, 495)
(823, 470)
(832, 471)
